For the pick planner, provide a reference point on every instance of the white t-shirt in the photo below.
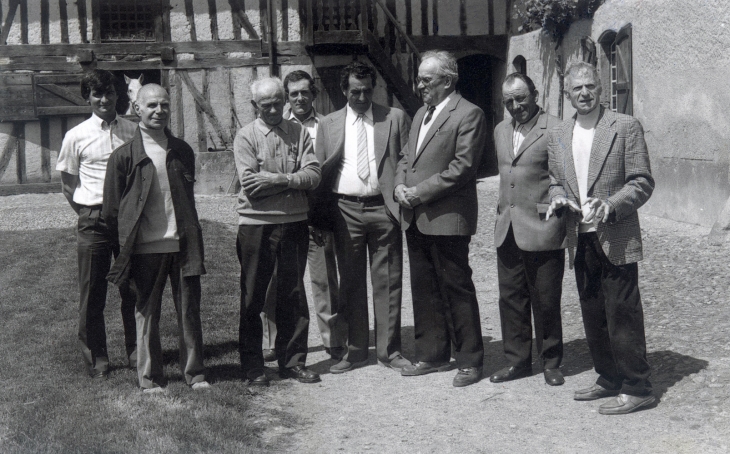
(583, 132)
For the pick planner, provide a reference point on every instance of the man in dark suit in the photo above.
(599, 169)
(436, 188)
(359, 147)
(530, 258)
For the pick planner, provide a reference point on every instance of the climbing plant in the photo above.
(553, 16)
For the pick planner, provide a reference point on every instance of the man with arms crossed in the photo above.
(82, 161)
(359, 148)
(276, 165)
(436, 187)
(150, 207)
(530, 255)
(599, 170)
(302, 92)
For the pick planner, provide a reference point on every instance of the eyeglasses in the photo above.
(427, 80)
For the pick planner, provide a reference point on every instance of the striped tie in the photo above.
(363, 161)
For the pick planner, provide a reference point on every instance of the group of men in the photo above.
(336, 192)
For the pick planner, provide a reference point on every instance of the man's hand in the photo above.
(257, 182)
(400, 196)
(559, 202)
(598, 210)
(317, 235)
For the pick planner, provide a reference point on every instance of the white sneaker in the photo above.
(201, 385)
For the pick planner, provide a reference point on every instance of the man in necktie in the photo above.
(359, 148)
(436, 187)
(530, 254)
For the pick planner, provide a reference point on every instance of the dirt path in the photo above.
(684, 285)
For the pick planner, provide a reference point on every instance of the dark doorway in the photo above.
(330, 96)
(475, 84)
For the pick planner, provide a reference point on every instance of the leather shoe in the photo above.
(346, 366)
(510, 373)
(397, 363)
(553, 377)
(257, 377)
(269, 355)
(100, 375)
(467, 376)
(623, 404)
(424, 367)
(300, 374)
(594, 392)
(336, 353)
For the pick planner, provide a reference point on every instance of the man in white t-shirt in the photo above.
(82, 161)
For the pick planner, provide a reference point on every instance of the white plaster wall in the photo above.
(54, 26)
(295, 25)
(254, 16)
(14, 35)
(74, 30)
(202, 20)
(224, 18)
(179, 25)
(34, 22)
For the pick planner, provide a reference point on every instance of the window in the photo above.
(519, 65)
(127, 20)
(616, 70)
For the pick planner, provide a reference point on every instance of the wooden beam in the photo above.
(81, 6)
(12, 8)
(64, 93)
(45, 23)
(223, 134)
(45, 149)
(243, 18)
(167, 34)
(339, 37)
(95, 21)
(490, 17)
(235, 8)
(63, 12)
(179, 108)
(149, 48)
(190, 13)
(496, 46)
(10, 146)
(285, 20)
(213, 14)
(29, 188)
(20, 169)
(24, 21)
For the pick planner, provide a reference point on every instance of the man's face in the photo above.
(433, 85)
(300, 97)
(518, 100)
(103, 102)
(270, 107)
(153, 108)
(359, 94)
(584, 92)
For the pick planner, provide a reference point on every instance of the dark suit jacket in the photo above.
(618, 172)
(390, 133)
(444, 172)
(523, 188)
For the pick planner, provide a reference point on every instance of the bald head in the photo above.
(153, 106)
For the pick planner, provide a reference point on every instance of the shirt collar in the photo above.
(352, 115)
(266, 128)
(98, 122)
(527, 127)
(312, 116)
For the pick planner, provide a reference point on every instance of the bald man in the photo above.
(150, 208)
(276, 165)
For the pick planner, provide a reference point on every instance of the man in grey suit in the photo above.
(599, 170)
(530, 254)
(436, 188)
(359, 147)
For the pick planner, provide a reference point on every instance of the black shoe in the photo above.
(595, 392)
(424, 367)
(269, 355)
(553, 377)
(467, 376)
(257, 377)
(300, 373)
(336, 353)
(103, 375)
(510, 373)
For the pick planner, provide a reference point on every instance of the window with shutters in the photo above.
(616, 70)
(128, 20)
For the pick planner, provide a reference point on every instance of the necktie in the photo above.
(429, 114)
(363, 160)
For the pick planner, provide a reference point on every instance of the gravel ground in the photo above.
(684, 285)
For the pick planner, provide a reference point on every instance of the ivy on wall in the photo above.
(553, 16)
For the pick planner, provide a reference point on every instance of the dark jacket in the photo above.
(129, 175)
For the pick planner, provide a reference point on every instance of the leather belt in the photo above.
(366, 200)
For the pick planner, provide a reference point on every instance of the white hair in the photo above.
(259, 86)
(446, 63)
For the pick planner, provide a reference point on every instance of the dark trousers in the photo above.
(363, 230)
(530, 279)
(94, 250)
(148, 275)
(265, 250)
(445, 307)
(613, 318)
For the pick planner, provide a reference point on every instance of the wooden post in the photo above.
(45, 150)
(45, 23)
(63, 13)
(213, 14)
(202, 138)
(24, 22)
(190, 13)
(20, 169)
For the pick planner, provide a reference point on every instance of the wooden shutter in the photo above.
(16, 97)
(624, 88)
(59, 95)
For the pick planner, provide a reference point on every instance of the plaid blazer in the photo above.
(618, 172)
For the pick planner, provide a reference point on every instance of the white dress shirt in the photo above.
(521, 131)
(348, 181)
(425, 127)
(311, 123)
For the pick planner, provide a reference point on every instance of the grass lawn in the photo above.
(48, 404)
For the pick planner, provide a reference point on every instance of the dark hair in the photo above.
(519, 76)
(97, 80)
(296, 76)
(359, 70)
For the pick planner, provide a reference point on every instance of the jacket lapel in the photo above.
(534, 135)
(602, 142)
(413, 136)
(381, 133)
(438, 122)
(566, 143)
(337, 138)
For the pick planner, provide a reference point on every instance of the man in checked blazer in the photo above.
(599, 170)
(359, 147)
(530, 249)
(436, 187)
